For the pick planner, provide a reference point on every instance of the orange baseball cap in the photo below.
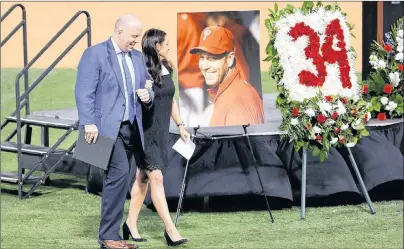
(215, 40)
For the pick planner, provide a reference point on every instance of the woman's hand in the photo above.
(184, 134)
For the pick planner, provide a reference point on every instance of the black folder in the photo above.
(97, 154)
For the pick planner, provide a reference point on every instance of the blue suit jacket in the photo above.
(99, 89)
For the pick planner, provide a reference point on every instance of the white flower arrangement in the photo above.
(384, 86)
(313, 66)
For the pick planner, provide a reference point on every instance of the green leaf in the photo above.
(269, 58)
(364, 132)
(276, 7)
(309, 5)
(316, 151)
(323, 156)
(326, 143)
(269, 49)
(374, 100)
(290, 7)
(275, 62)
(280, 100)
(398, 98)
(361, 103)
(377, 107)
(300, 143)
(268, 24)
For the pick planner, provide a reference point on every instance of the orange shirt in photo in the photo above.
(236, 102)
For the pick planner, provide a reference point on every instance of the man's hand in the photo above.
(143, 95)
(91, 133)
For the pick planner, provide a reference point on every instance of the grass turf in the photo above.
(62, 215)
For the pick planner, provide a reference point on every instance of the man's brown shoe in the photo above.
(116, 244)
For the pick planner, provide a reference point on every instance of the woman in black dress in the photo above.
(156, 124)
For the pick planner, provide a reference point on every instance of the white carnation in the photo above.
(294, 121)
(380, 64)
(325, 107)
(344, 127)
(350, 144)
(394, 78)
(373, 59)
(356, 98)
(310, 112)
(399, 56)
(384, 100)
(317, 130)
(334, 140)
(391, 106)
(400, 33)
(400, 45)
(341, 108)
(369, 116)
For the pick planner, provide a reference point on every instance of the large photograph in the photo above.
(219, 68)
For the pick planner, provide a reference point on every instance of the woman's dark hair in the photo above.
(149, 41)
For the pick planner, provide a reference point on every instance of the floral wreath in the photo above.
(384, 86)
(313, 66)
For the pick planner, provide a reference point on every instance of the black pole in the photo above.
(177, 215)
(256, 169)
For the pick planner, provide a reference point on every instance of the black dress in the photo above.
(156, 125)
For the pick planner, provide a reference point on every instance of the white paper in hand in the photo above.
(185, 149)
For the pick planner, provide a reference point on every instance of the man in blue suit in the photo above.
(110, 90)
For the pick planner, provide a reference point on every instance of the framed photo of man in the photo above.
(219, 72)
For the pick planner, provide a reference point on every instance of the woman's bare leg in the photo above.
(138, 194)
(160, 203)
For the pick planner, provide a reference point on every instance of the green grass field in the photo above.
(63, 216)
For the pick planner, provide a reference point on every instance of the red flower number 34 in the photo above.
(329, 55)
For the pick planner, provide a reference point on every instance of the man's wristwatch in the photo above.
(179, 124)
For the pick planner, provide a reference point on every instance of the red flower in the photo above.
(308, 126)
(308, 78)
(337, 130)
(366, 117)
(328, 98)
(337, 56)
(365, 88)
(388, 89)
(295, 112)
(345, 101)
(321, 118)
(319, 138)
(354, 111)
(381, 116)
(334, 115)
(388, 48)
(342, 140)
(400, 67)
